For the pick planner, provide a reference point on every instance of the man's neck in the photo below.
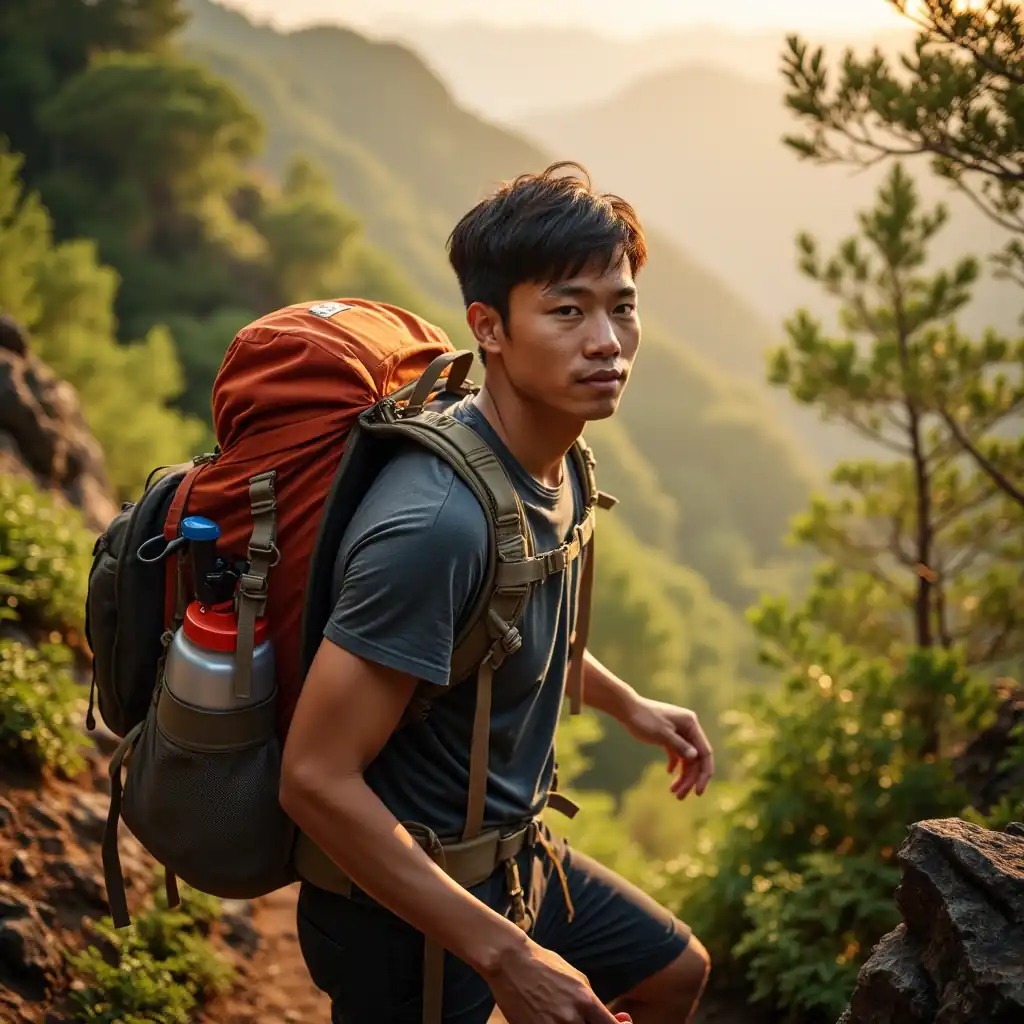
(537, 438)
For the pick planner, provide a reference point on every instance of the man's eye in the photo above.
(566, 310)
(625, 307)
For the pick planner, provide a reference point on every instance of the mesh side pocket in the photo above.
(211, 817)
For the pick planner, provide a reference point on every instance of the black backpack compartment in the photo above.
(125, 661)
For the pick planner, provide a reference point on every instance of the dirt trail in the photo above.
(279, 988)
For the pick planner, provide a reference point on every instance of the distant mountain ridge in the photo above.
(484, 65)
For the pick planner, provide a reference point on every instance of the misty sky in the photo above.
(625, 17)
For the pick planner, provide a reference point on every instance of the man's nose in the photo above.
(604, 339)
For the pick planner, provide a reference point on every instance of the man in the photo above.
(547, 271)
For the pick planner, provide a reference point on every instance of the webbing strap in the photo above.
(479, 751)
(113, 876)
(578, 640)
(480, 468)
(584, 459)
(252, 587)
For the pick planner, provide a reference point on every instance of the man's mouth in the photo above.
(603, 376)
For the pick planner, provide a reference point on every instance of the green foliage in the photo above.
(43, 576)
(956, 99)
(307, 231)
(833, 773)
(65, 300)
(927, 548)
(188, 130)
(157, 971)
(590, 830)
(47, 554)
(831, 901)
(39, 721)
(43, 45)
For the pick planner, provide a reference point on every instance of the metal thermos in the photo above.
(201, 658)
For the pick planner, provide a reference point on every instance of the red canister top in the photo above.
(216, 629)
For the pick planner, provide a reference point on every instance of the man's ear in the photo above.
(485, 323)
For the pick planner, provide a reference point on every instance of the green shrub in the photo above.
(159, 970)
(47, 552)
(828, 906)
(39, 708)
(789, 881)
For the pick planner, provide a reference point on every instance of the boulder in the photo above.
(958, 955)
(43, 434)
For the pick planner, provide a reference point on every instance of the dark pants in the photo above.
(370, 962)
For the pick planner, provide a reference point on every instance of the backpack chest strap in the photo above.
(534, 568)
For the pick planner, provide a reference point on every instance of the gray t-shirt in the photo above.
(407, 573)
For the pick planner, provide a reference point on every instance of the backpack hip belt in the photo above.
(467, 861)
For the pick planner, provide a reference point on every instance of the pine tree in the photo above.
(924, 549)
(958, 100)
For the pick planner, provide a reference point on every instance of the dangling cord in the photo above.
(90, 716)
(556, 860)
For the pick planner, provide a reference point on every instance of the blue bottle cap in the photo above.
(199, 528)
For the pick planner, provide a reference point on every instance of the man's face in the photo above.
(570, 345)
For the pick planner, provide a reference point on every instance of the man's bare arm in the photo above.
(605, 691)
(347, 711)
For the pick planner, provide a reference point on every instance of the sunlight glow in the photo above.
(608, 17)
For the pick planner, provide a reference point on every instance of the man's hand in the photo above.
(534, 985)
(678, 732)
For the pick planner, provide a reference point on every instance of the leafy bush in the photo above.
(790, 881)
(831, 903)
(47, 553)
(156, 971)
(39, 708)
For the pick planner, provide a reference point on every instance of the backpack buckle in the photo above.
(557, 560)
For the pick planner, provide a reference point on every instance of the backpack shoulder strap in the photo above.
(583, 457)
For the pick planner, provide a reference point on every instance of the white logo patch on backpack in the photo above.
(325, 310)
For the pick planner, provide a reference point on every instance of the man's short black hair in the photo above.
(541, 228)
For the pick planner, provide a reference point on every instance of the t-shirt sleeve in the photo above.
(409, 568)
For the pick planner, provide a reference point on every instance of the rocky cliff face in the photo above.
(43, 435)
(958, 955)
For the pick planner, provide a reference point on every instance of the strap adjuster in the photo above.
(557, 560)
(253, 586)
(267, 551)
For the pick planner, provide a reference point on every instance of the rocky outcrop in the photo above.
(958, 955)
(43, 435)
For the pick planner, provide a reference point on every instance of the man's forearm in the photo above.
(348, 821)
(605, 691)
